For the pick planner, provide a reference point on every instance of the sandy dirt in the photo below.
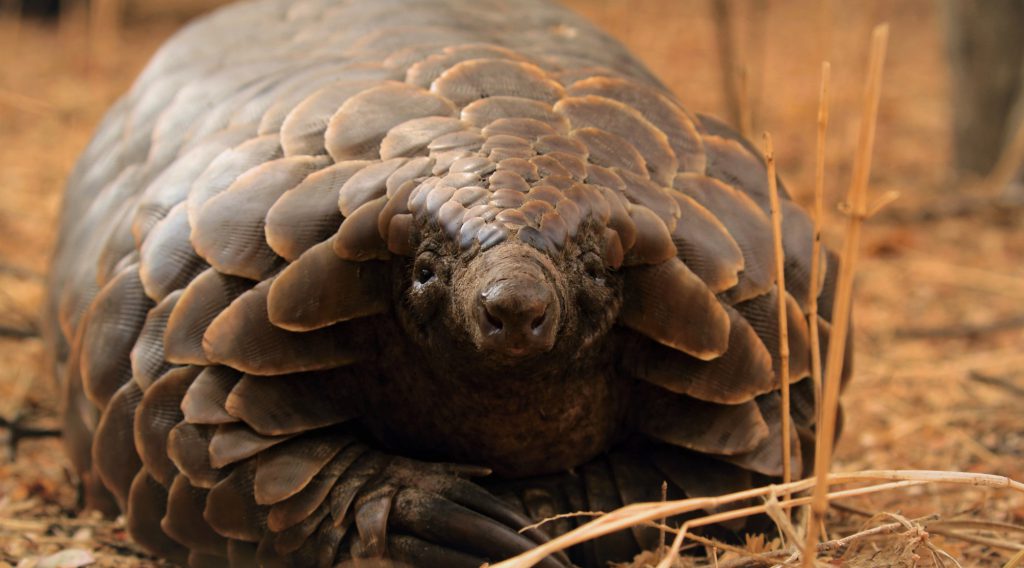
(939, 378)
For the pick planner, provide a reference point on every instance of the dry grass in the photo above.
(939, 374)
(780, 275)
(645, 513)
(858, 213)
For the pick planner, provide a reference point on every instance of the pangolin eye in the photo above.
(593, 265)
(424, 274)
(425, 269)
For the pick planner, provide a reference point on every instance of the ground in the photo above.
(939, 377)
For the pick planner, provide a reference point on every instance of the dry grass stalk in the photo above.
(835, 547)
(1017, 560)
(674, 551)
(645, 513)
(976, 539)
(819, 212)
(780, 276)
(857, 200)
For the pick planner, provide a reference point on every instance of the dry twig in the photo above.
(641, 513)
(844, 287)
(780, 278)
(819, 211)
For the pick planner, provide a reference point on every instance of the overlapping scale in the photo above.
(766, 457)
(367, 184)
(184, 520)
(242, 337)
(227, 167)
(113, 323)
(194, 100)
(609, 151)
(483, 112)
(747, 225)
(147, 356)
(308, 213)
(475, 79)
(188, 447)
(230, 508)
(425, 72)
(669, 304)
(797, 241)
(275, 406)
(762, 313)
(743, 372)
(302, 132)
(300, 85)
(113, 450)
(733, 429)
(288, 468)
(320, 289)
(656, 107)
(158, 412)
(229, 231)
(624, 121)
(167, 261)
(236, 441)
(653, 243)
(657, 199)
(173, 184)
(734, 161)
(357, 128)
(412, 137)
(358, 239)
(291, 511)
(147, 502)
(203, 300)
(705, 245)
(203, 402)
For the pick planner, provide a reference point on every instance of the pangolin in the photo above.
(348, 279)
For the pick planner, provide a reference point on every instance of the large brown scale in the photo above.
(357, 279)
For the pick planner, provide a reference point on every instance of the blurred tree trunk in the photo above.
(986, 46)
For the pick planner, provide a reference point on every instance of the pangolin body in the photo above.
(395, 278)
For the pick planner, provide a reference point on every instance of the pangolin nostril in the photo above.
(538, 321)
(492, 320)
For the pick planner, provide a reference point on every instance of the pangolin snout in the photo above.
(511, 301)
(517, 316)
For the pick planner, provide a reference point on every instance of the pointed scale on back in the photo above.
(348, 280)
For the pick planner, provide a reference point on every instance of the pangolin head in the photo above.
(519, 298)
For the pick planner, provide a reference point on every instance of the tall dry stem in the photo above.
(857, 204)
(780, 279)
(819, 212)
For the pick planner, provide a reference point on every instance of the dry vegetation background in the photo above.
(939, 379)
